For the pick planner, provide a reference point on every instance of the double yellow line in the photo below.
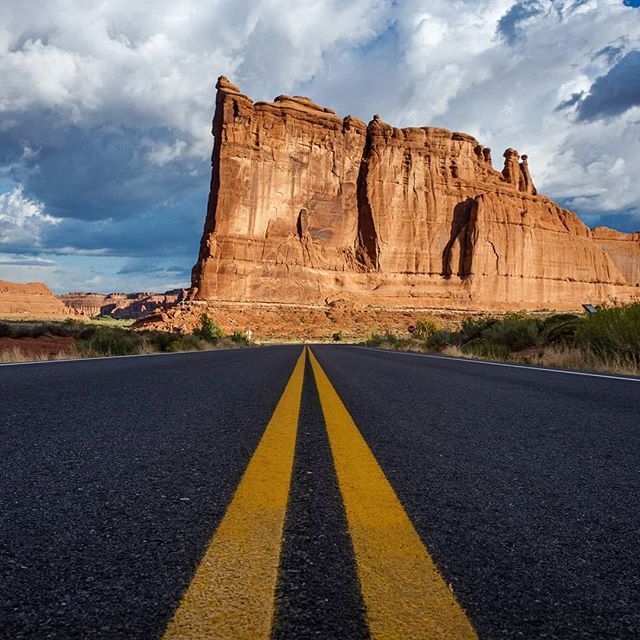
(232, 594)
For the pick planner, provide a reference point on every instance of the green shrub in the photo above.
(612, 331)
(186, 343)
(390, 338)
(387, 338)
(373, 340)
(209, 329)
(513, 332)
(472, 328)
(114, 339)
(560, 328)
(483, 348)
(238, 337)
(29, 329)
(161, 340)
(337, 336)
(425, 328)
(439, 340)
(608, 340)
(112, 343)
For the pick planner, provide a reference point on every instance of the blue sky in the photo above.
(105, 109)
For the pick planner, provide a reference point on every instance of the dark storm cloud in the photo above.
(614, 92)
(167, 231)
(510, 25)
(96, 173)
(108, 191)
(610, 53)
(569, 102)
(157, 232)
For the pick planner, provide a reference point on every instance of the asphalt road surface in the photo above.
(341, 493)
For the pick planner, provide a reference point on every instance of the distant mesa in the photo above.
(307, 207)
(29, 301)
(35, 300)
(122, 305)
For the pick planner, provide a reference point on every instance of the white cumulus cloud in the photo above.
(106, 105)
(22, 220)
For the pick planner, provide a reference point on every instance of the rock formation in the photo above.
(624, 249)
(307, 207)
(121, 305)
(33, 300)
(86, 304)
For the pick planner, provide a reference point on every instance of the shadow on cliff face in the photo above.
(456, 254)
(367, 249)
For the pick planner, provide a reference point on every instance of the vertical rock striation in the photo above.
(306, 207)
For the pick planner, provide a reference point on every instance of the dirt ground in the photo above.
(40, 347)
(296, 323)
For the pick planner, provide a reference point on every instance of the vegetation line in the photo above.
(61, 359)
(607, 341)
(23, 341)
(531, 367)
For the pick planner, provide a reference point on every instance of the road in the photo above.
(343, 493)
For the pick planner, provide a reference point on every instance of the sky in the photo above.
(106, 107)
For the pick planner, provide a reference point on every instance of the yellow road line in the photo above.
(404, 593)
(232, 594)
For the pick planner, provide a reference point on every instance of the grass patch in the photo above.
(608, 340)
(15, 354)
(31, 329)
(113, 322)
(612, 332)
(107, 338)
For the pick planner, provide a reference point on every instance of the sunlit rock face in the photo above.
(121, 305)
(32, 300)
(308, 207)
(624, 248)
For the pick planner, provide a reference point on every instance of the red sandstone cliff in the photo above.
(624, 249)
(32, 300)
(121, 305)
(306, 206)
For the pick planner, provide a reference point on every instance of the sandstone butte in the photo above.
(121, 305)
(32, 300)
(309, 208)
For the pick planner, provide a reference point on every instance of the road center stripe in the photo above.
(232, 594)
(404, 593)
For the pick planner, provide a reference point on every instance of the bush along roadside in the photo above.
(98, 339)
(608, 340)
